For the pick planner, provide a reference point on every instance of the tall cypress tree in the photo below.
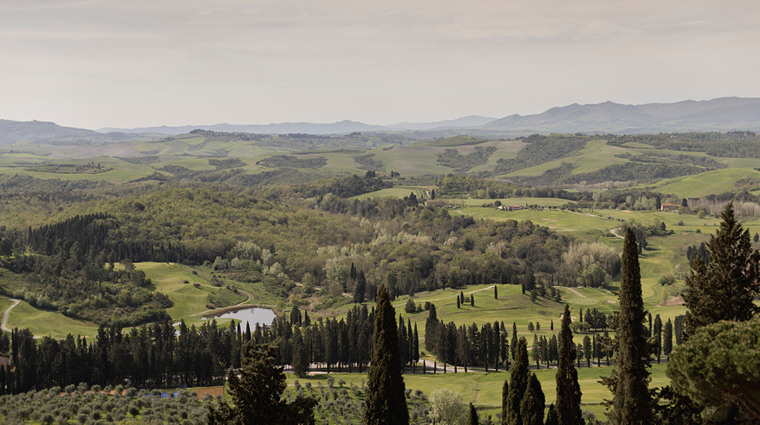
(667, 338)
(472, 416)
(724, 288)
(568, 403)
(518, 384)
(385, 400)
(551, 416)
(631, 402)
(504, 398)
(533, 403)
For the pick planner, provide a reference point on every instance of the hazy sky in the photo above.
(133, 63)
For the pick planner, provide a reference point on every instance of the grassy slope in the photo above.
(42, 322)
(711, 182)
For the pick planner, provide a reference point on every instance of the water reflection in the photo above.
(251, 315)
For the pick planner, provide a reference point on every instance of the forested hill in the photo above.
(277, 236)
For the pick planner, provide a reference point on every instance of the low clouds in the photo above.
(380, 62)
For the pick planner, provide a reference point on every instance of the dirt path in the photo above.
(453, 296)
(616, 235)
(7, 313)
(573, 291)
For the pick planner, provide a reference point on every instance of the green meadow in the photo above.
(484, 389)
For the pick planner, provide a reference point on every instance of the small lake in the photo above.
(251, 315)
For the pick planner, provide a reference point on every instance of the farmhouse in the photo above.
(668, 206)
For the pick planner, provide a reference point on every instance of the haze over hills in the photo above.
(722, 114)
(43, 131)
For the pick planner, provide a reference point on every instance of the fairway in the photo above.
(42, 322)
(485, 389)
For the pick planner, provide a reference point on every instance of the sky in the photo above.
(140, 63)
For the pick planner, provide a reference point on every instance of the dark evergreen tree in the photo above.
(360, 288)
(568, 403)
(472, 300)
(518, 384)
(533, 403)
(300, 361)
(256, 394)
(631, 402)
(504, 398)
(495, 292)
(657, 337)
(551, 416)
(513, 342)
(386, 403)
(472, 416)
(724, 288)
(431, 327)
(458, 306)
(667, 338)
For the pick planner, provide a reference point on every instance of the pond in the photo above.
(251, 315)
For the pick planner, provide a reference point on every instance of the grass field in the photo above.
(484, 389)
(42, 322)
(703, 184)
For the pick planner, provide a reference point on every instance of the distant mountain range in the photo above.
(722, 114)
(341, 127)
(727, 113)
(43, 131)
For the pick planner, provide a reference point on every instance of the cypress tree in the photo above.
(532, 405)
(472, 417)
(513, 342)
(386, 403)
(361, 286)
(551, 416)
(495, 292)
(431, 325)
(458, 305)
(723, 288)
(518, 384)
(300, 361)
(667, 338)
(631, 402)
(472, 300)
(568, 405)
(657, 337)
(504, 398)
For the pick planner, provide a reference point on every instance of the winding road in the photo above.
(4, 325)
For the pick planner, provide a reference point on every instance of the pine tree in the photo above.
(631, 402)
(533, 402)
(472, 416)
(518, 384)
(386, 403)
(568, 403)
(724, 288)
